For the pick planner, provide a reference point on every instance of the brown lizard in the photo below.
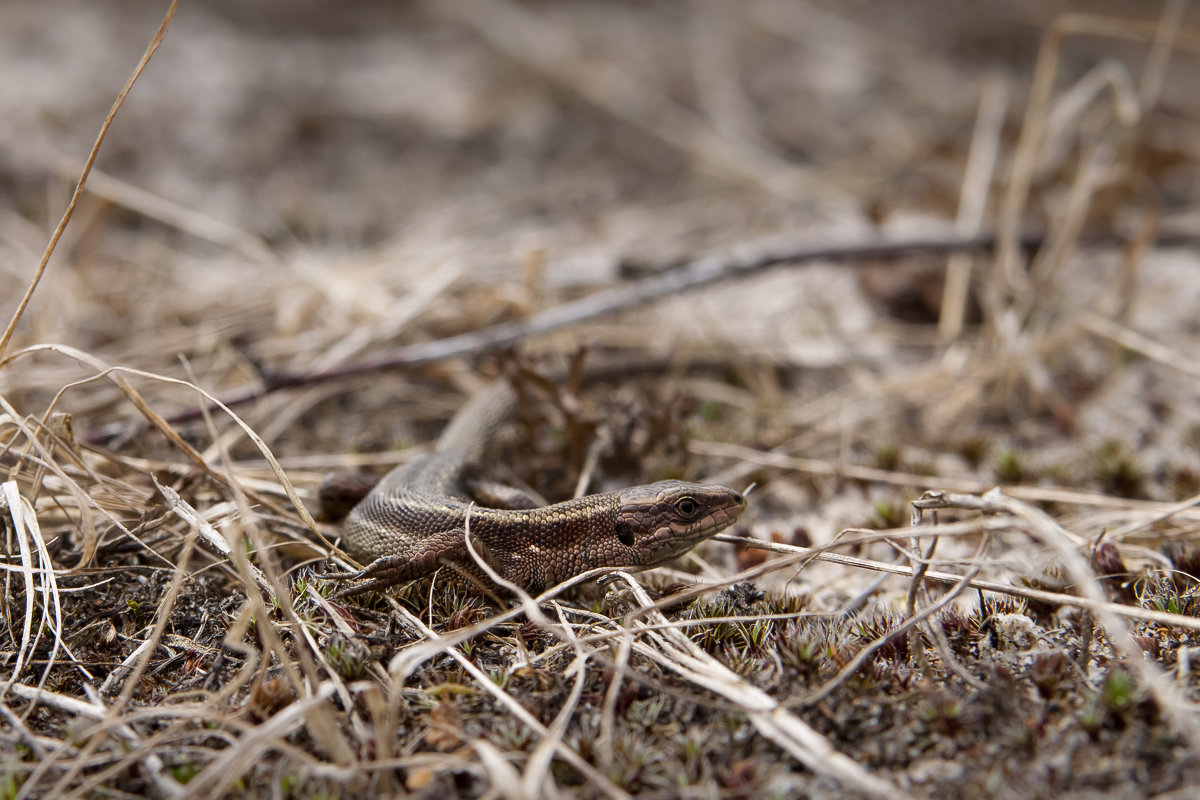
(413, 521)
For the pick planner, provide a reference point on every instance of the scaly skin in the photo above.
(413, 521)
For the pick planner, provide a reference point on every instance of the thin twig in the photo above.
(739, 262)
(803, 555)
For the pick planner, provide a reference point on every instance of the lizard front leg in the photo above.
(445, 548)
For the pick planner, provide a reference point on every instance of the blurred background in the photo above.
(290, 187)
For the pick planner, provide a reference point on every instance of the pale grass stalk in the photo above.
(116, 374)
(152, 206)
(114, 711)
(679, 654)
(222, 772)
(1044, 494)
(1165, 35)
(867, 653)
(159, 35)
(977, 178)
(516, 709)
(1044, 529)
(1155, 71)
(1141, 344)
(93, 709)
(801, 555)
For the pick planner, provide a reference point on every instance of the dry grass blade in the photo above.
(552, 740)
(28, 534)
(1143, 345)
(678, 653)
(87, 168)
(1047, 531)
(503, 777)
(220, 774)
(597, 780)
(113, 712)
(93, 710)
(117, 375)
(432, 184)
(406, 661)
(152, 206)
(977, 178)
(1040, 494)
(46, 460)
(207, 532)
(624, 638)
(801, 555)
(536, 778)
(1153, 76)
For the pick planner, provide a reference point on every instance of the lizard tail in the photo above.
(474, 426)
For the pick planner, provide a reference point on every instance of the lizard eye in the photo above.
(687, 506)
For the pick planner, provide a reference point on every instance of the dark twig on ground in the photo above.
(735, 263)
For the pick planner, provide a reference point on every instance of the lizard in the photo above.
(415, 519)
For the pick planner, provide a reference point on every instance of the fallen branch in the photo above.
(738, 262)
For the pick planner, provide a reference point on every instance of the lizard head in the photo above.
(659, 521)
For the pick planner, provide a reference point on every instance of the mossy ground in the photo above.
(287, 191)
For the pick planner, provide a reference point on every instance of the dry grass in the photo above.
(654, 182)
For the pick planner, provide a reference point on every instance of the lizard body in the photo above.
(413, 521)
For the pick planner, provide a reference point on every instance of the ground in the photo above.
(300, 213)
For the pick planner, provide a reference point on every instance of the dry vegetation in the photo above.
(879, 258)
